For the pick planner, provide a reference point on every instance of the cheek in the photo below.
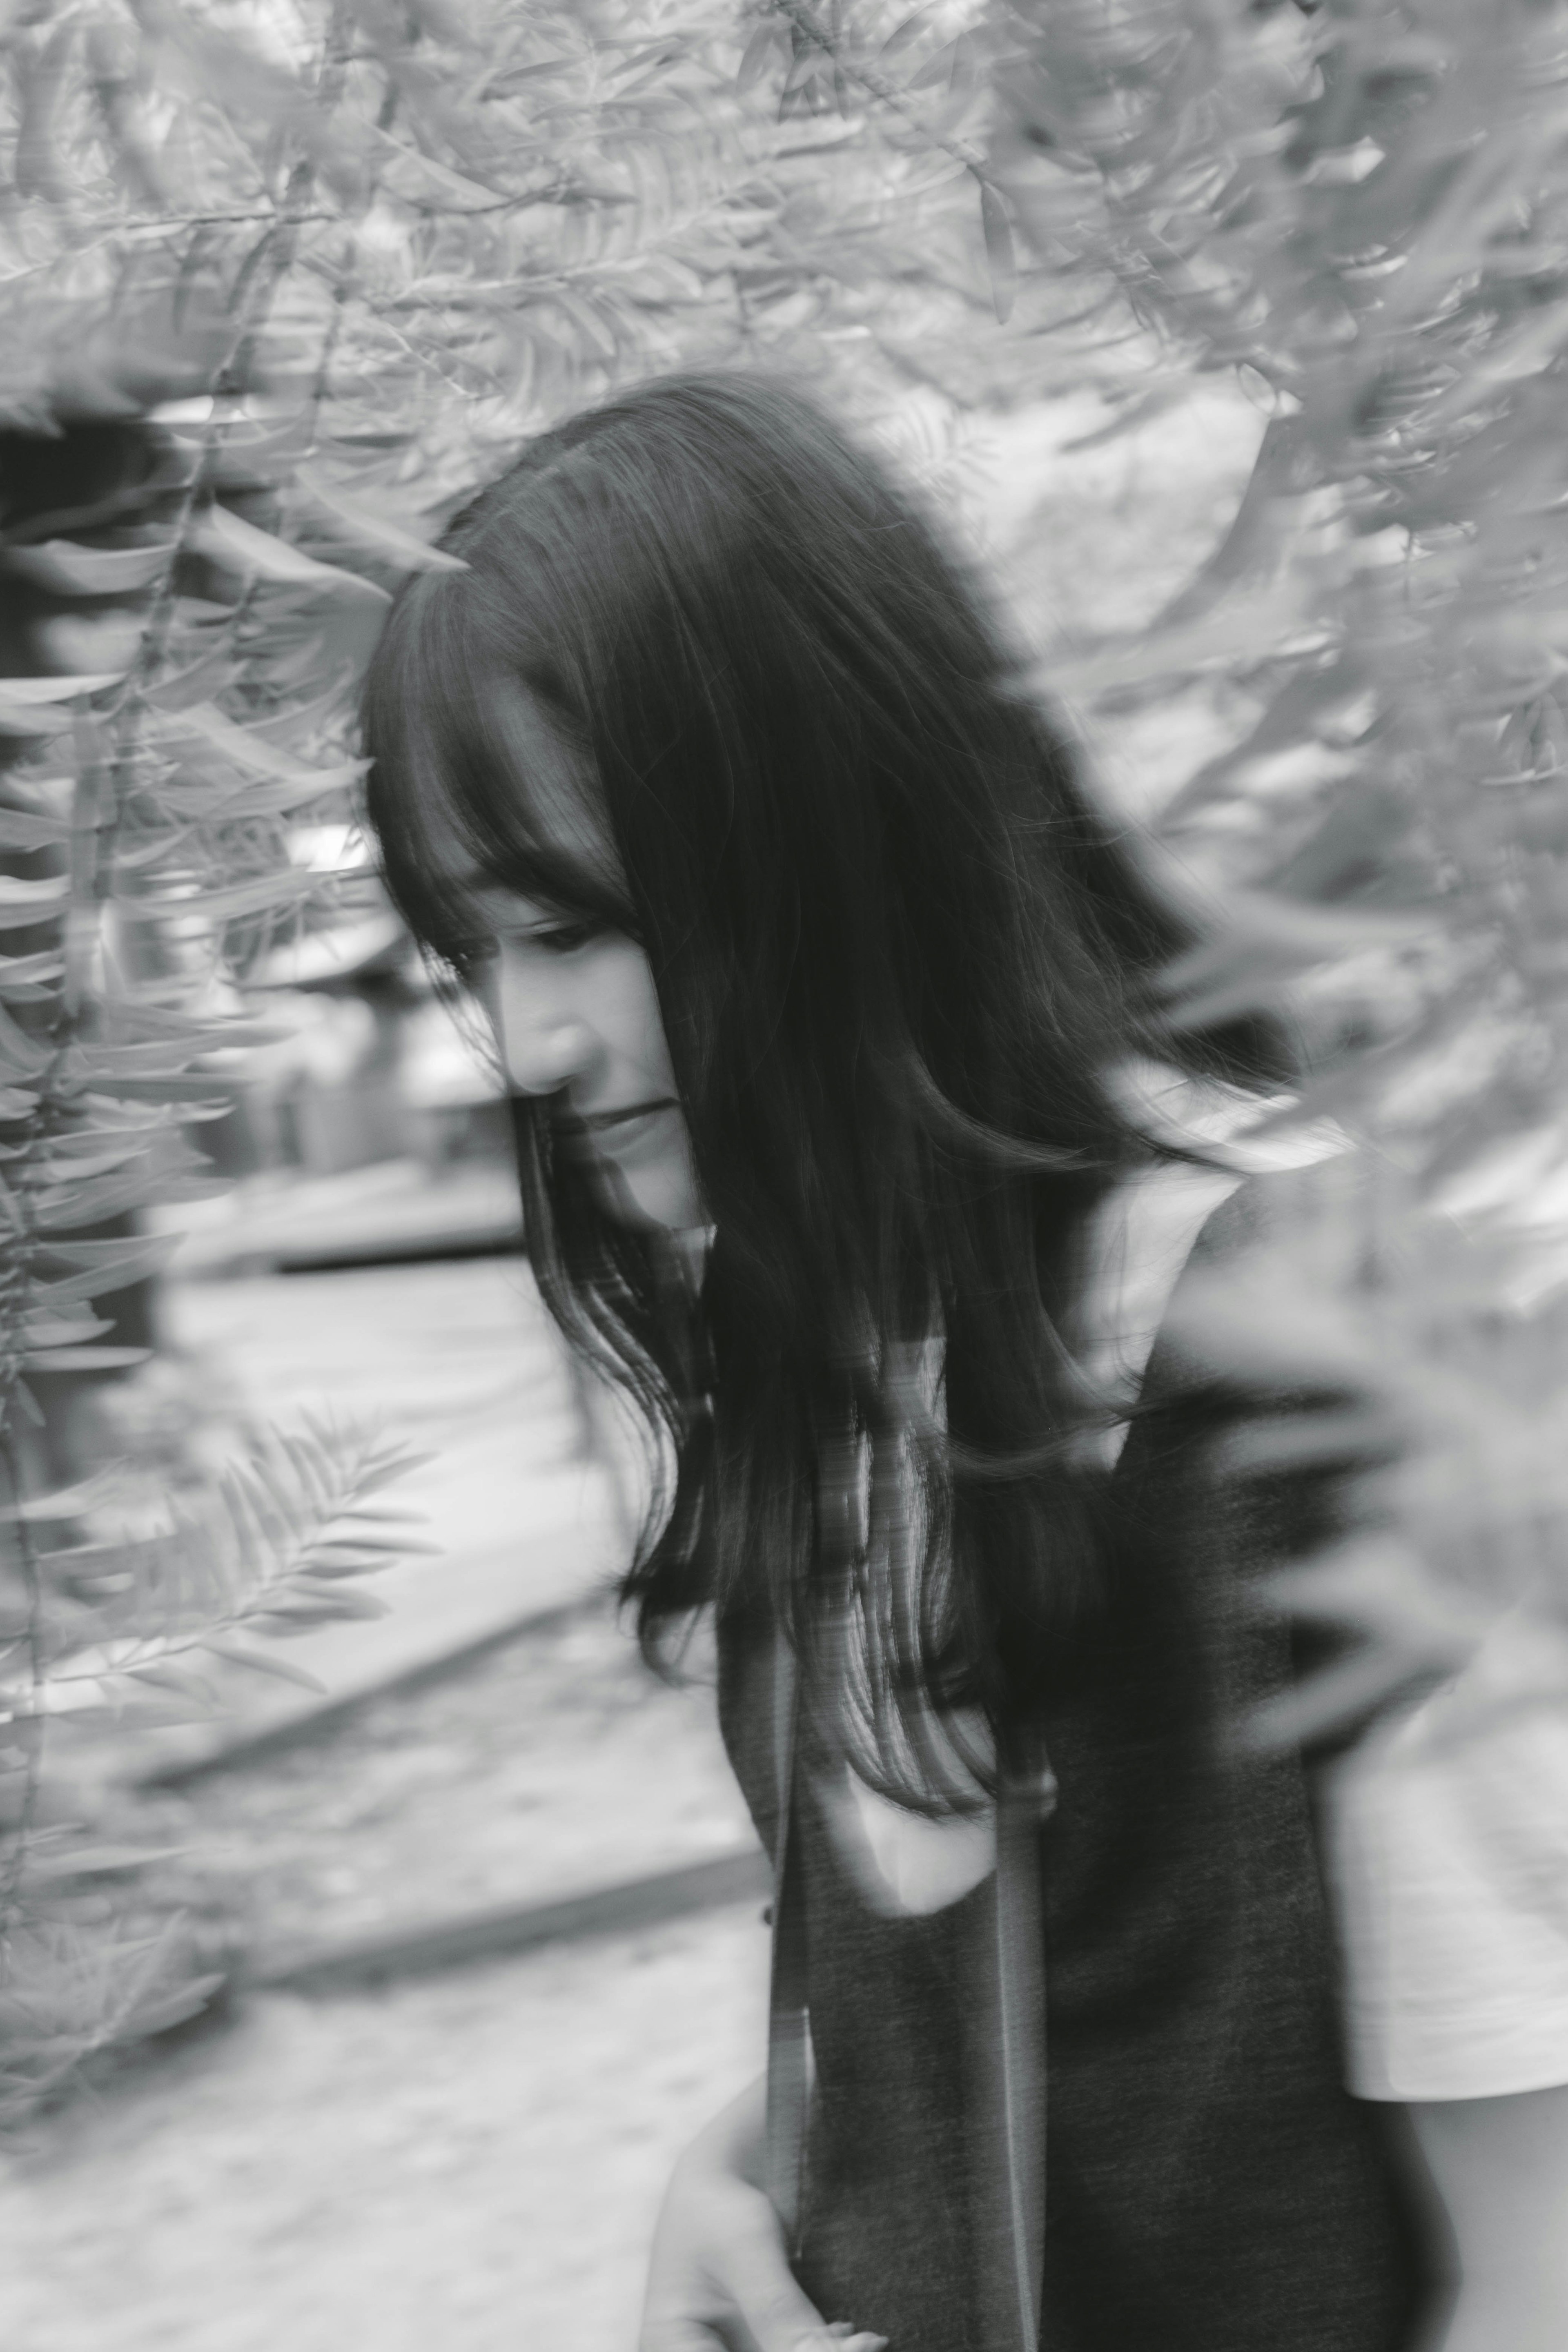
(494, 990)
(638, 1021)
(484, 987)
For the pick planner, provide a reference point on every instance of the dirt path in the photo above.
(470, 2162)
(555, 1764)
(467, 2164)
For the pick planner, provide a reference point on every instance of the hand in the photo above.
(719, 2274)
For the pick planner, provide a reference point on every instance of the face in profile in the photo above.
(574, 1011)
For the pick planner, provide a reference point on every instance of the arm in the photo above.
(719, 2274)
(1500, 2172)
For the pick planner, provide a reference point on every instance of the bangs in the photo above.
(465, 789)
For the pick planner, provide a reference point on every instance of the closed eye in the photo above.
(560, 938)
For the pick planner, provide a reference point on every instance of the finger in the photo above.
(783, 2319)
(842, 2336)
(776, 2309)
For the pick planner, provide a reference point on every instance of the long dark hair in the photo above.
(898, 954)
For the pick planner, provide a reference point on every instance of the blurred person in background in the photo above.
(820, 977)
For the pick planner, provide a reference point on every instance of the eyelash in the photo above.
(469, 957)
(562, 939)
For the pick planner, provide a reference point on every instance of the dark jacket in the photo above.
(1211, 2186)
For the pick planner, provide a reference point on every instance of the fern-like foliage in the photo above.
(1358, 209)
(324, 263)
(131, 1627)
(277, 1547)
(334, 258)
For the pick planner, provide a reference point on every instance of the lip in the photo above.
(605, 1122)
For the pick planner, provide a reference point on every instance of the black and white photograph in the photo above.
(784, 1176)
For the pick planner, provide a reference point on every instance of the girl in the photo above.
(819, 982)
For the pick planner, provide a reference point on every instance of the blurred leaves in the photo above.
(1362, 211)
(129, 1627)
(1400, 1353)
(327, 267)
(267, 1552)
(277, 292)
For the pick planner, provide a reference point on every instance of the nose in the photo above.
(544, 1055)
(544, 1043)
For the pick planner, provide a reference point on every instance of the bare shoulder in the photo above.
(1267, 1206)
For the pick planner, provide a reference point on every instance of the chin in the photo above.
(656, 1199)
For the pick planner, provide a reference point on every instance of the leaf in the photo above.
(39, 167)
(178, 1087)
(1231, 636)
(1000, 255)
(264, 894)
(106, 1485)
(901, 39)
(159, 2012)
(366, 1550)
(31, 718)
(583, 314)
(64, 568)
(124, 1057)
(377, 1515)
(289, 722)
(93, 1860)
(106, 1266)
(242, 548)
(72, 1206)
(1359, 1435)
(387, 538)
(304, 1607)
(330, 1571)
(67, 1166)
(1266, 938)
(770, 40)
(167, 1674)
(199, 681)
(1333, 1700)
(938, 68)
(24, 903)
(246, 83)
(22, 1056)
(249, 750)
(113, 62)
(48, 964)
(41, 1329)
(283, 800)
(83, 1360)
(373, 1476)
(415, 176)
(263, 1662)
(330, 1562)
(25, 691)
(23, 829)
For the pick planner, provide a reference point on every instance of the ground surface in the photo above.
(556, 1764)
(473, 2161)
(470, 2164)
